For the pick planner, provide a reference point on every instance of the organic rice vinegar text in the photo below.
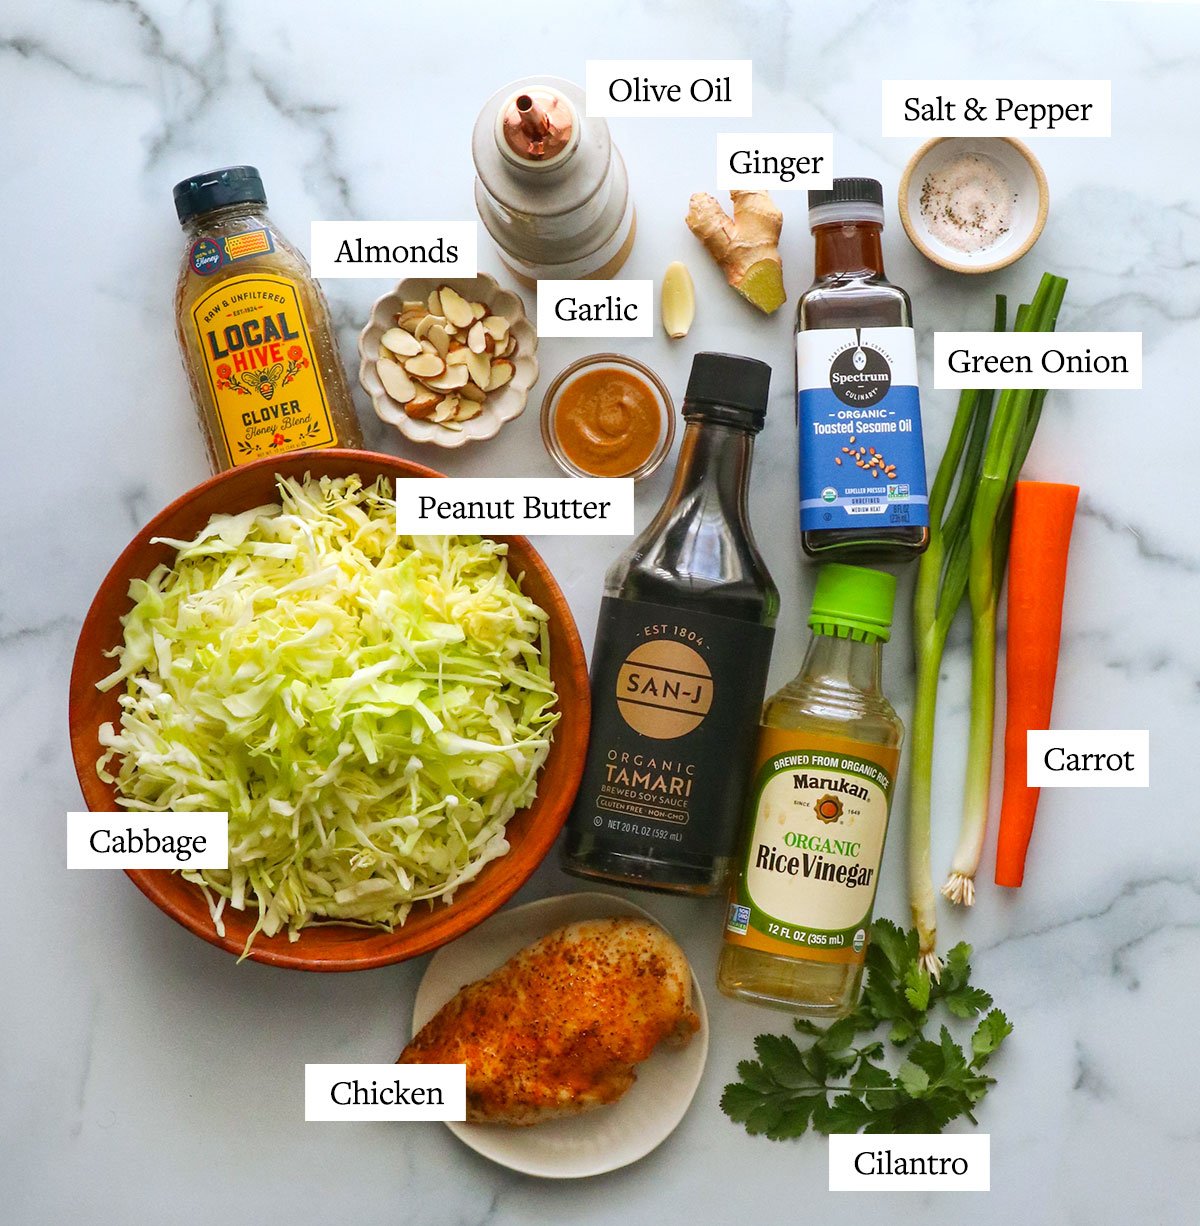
(817, 814)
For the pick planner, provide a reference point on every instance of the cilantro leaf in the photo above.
(917, 985)
(831, 1085)
(992, 1030)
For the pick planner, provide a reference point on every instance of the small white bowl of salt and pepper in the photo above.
(973, 204)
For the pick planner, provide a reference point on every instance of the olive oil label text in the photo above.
(862, 458)
(257, 353)
(817, 819)
(676, 700)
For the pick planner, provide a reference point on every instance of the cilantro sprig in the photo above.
(840, 1083)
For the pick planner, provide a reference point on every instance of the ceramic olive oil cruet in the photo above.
(551, 187)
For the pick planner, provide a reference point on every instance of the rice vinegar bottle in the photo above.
(828, 749)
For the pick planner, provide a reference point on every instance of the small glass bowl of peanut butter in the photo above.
(608, 415)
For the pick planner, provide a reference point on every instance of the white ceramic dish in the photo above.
(1019, 167)
(501, 406)
(598, 1141)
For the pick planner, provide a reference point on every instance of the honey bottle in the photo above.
(254, 328)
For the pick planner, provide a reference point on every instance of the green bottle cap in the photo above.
(853, 602)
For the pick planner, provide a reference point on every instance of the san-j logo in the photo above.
(206, 256)
(664, 690)
(860, 375)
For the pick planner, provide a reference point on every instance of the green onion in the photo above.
(941, 585)
(1017, 414)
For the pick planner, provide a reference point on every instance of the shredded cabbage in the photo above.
(370, 709)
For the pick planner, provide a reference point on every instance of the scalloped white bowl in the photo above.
(501, 406)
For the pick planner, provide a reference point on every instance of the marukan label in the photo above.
(256, 346)
(818, 815)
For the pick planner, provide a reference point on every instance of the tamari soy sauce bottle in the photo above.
(680, 663)
(817, 814)
(863, 495)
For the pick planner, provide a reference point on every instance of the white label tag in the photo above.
(682, 89)
(920, 109)
(910, 1162)
(774, 161)
(1088, 758)
(385, 1092)
(147, 840)
(595, 308)
(393, 249)
(1095, 361)
(506, 506)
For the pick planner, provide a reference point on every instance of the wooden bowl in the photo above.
(329, 947)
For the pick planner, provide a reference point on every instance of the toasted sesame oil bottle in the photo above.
(863, 495)
(817, 813)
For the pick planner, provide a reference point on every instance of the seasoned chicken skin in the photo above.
(558, 1028)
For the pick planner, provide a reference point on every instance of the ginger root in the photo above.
(745, 246)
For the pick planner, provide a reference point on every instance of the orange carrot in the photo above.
(1037, 575)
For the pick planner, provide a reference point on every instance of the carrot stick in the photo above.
(1043, 514)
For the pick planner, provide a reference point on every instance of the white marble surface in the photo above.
(143, 1073)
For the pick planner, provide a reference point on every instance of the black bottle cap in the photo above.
(216, 188)
(725, 387)
(848, 191)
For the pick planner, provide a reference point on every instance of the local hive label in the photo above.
(818, 818)
(256, 346)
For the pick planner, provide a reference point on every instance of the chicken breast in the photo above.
(559, 1028)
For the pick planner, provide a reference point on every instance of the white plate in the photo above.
(597, 1141)
(501, 406)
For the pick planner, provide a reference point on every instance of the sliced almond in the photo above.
(449, 380)
(400, 342)
(468, 409)
(410, 304)
(408, 320)
(502, 372)
(395, 382)
(476, 338)
(421, 331)
(478, 310)
(423, 405)
(480, 366)
(456, 308)
(440, 338)
(459, 356)
(472, 391)
(510, 346)
(435, 303)
(497, 326)
(447, 409)
(425, 365)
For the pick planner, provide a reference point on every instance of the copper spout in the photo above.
(538, 125)
(534, 121)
